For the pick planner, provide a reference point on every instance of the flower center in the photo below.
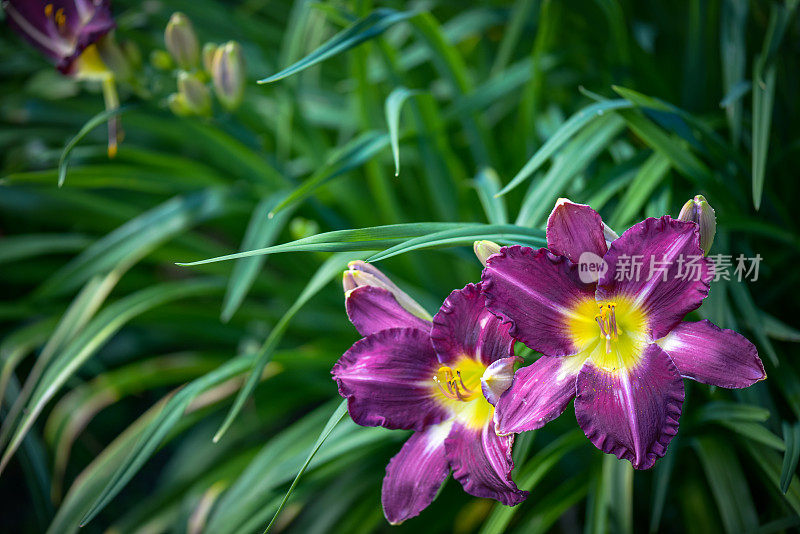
(611, 333)
(607, 321)
(451, 383)
(457, 388)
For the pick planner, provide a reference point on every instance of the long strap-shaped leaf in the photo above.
(371, 238)
(142, 442)
(262, 231)
(324, 274)
(564, 134)
(136, 238)
(75, 354)
(362, 30)
(337, 416)
(90, 125)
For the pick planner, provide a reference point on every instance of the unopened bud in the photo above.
(177, 104)
(484, 249)
(209, 49)
(195, 93)
(181, 41)
(227, 71)
(699, 211)
(161, 60)
(361, 273)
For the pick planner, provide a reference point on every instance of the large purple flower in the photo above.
(617, 345)
(63, 30)
(437, 378)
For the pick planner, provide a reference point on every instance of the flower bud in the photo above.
(484, 249)
(195, 93)
(161, 60)
(699, 211)
(181, 41)
(227, 71)
(177, 104)
(361, 273)
(209, 50)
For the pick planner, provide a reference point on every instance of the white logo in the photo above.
(591, 267)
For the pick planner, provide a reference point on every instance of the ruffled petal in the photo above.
(387, 380)
(631, 413)
(415, 474)
(537, 292)
(540, 393)
(481, 461)
(673, 276)
(705, 352)
(464, 327)
(372, 309)
(573, 229)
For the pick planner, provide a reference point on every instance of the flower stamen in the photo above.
(607, 321)
(451, 384)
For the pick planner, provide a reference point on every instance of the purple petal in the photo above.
(82, 23)
(540, 393)
(387, 380)
(415, 474)
(538, 292)
(464, 327)
(481, 461)
(497, 378)
(674, 277)
(372, 309)
(705, 352)
(573, 229)
(631, 413)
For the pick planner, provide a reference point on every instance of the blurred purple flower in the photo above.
(63, 30)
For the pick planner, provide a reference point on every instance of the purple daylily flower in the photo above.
(438, 378)
(618, 345)
(61, 29)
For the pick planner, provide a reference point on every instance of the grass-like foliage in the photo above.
(146, 385)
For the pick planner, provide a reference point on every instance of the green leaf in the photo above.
(394, 103)
(362, 30)
(791, 438)
(487, 183)
(261, 232)
(334, 419)
(770, 463)
(745, 303)
(136, 238)
(332, 266)
(586, 146)
(354, 154)
(649, 176)
(728, 485)
(24, 246)
(85, 344)
(90, 125)
(465, 235)
(764, 75)
(157, 429)
(572, 126)
(370, 238)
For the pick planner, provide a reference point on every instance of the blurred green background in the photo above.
(119, 366)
